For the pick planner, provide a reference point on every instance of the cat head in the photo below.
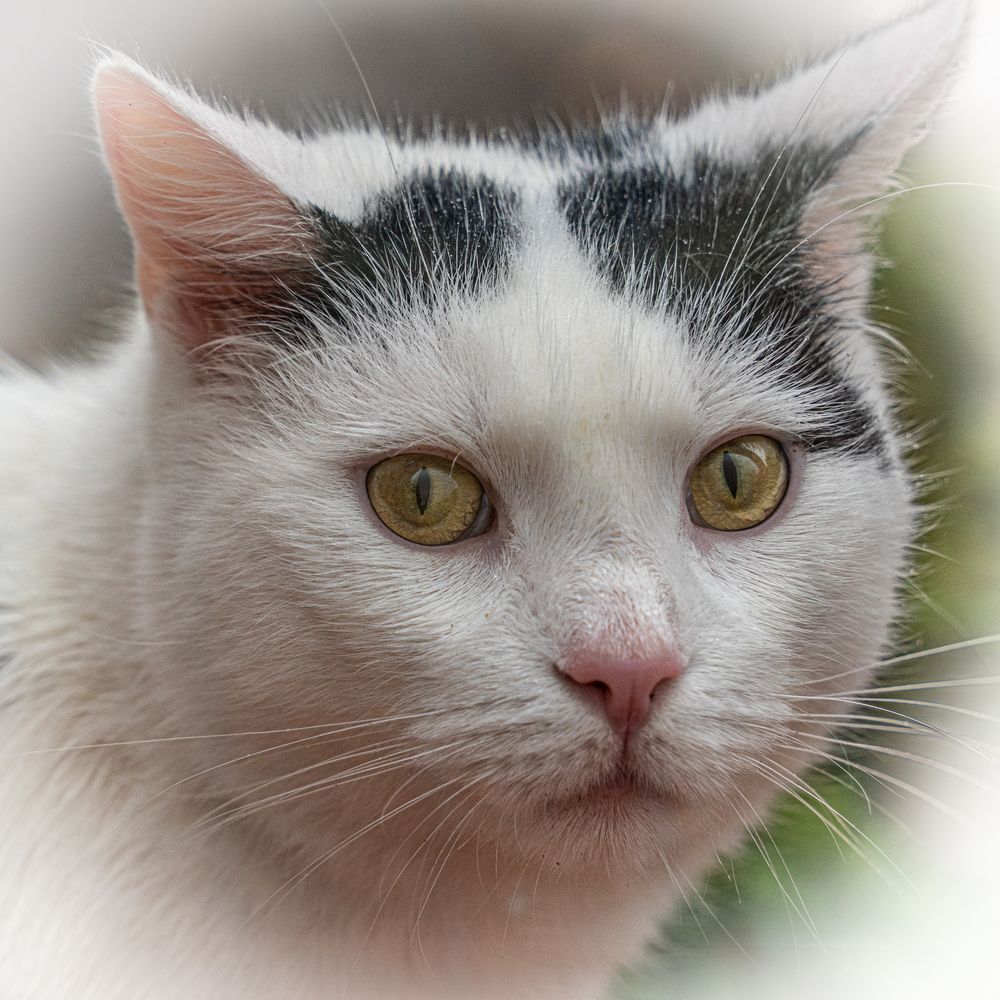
(552, 479)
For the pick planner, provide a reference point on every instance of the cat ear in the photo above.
(216, 241)
(842, 126)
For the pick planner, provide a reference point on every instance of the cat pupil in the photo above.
(422, 485)
(730, 473)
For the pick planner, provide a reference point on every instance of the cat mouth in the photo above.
(624, 788)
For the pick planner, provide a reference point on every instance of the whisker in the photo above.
(896, 784)
(711, 912)
(350, 776)
(332, 727)
(906, 658)
(900, 724)
(960, 682)
(946, 616)
(372, 748)
(839, 827)
(305, 872)
(937, 765)
(800, 909)
(687, 902)
(969, 713)
(237, 760)
(436, 872)
(851, 783)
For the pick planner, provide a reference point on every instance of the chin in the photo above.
(619, 823)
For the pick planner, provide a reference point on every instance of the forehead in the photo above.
(602, 281)
(561, 357)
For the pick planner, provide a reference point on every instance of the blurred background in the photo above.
(913, 908)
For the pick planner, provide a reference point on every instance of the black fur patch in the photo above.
(613, 140)
(437, 232)
(719, 246)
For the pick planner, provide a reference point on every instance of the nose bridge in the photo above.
(621, 644)
(621, 606)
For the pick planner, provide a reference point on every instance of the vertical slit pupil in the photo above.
(731, 474)
(422, 486)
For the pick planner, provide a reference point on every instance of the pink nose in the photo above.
(626, 686)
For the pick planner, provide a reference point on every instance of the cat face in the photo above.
(601, 654)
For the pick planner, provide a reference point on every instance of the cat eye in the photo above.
(739, 484)
(428, 499)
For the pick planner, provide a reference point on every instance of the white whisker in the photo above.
(330, 727)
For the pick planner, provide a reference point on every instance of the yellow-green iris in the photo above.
(425, 499)
(739, 484)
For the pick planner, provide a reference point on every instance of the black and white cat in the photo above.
(457, 555)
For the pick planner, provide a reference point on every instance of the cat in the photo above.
(459, 552)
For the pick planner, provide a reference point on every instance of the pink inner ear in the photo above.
(212, 235)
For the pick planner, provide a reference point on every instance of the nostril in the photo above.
(623, 687)
(595, 692)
